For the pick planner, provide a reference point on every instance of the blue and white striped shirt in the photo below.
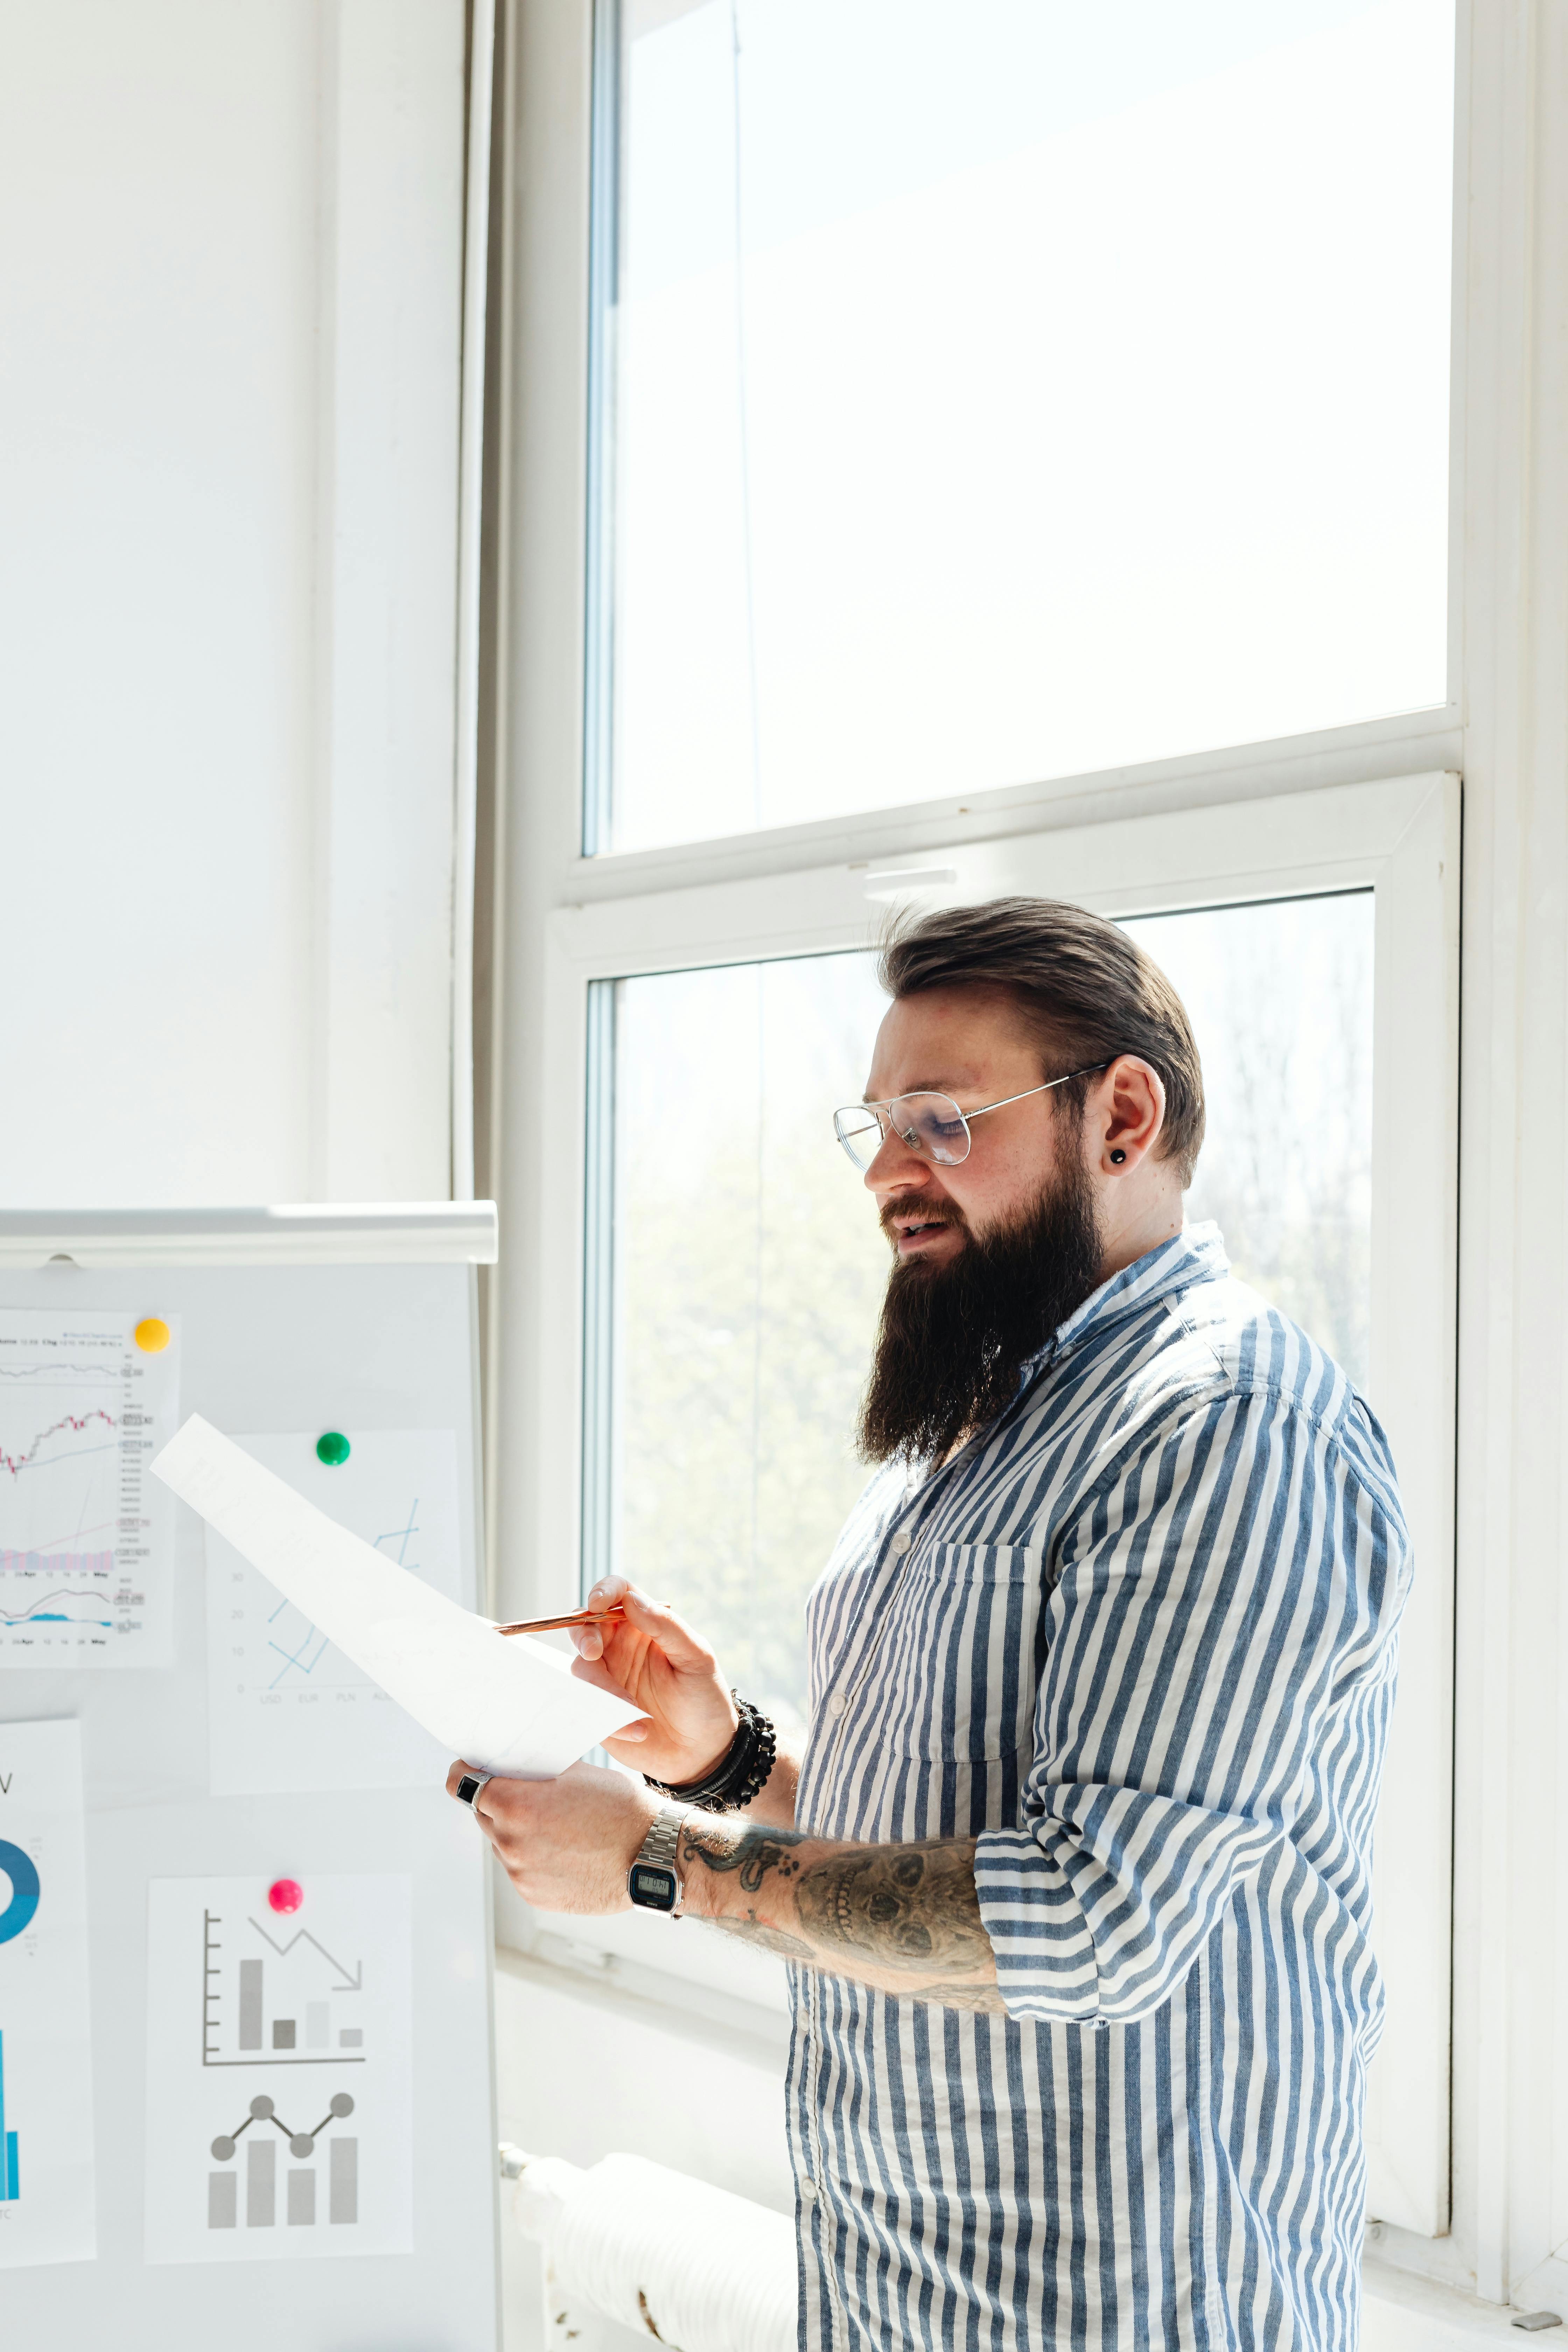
(1139, 1640)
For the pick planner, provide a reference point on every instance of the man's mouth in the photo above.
(908, 1226)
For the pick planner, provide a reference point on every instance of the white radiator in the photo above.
(656, 2253)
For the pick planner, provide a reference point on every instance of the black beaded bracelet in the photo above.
(741, 1773)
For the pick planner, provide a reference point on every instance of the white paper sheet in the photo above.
(286, 1710)
(508, 1705)
(45, 2059)
(280, 2109)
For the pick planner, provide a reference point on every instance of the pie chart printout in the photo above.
(46, 2190)
(16, 1911)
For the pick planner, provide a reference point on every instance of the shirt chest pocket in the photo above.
(963, 1653)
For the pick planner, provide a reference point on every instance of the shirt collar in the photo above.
(1194, 1254)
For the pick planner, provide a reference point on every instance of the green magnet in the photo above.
(331, 1448)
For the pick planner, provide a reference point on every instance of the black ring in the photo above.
(468, 1786)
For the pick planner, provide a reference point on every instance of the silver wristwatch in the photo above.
(653, 1880)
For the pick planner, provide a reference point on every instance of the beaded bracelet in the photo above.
(740, 1774)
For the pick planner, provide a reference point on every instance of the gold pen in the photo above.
(549, 1624)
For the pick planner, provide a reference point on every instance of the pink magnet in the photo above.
(285, 1894)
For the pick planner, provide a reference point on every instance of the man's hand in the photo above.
(905, 1918)
(566, 1845)
(662, 1667)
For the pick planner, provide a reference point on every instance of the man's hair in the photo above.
(1088, 992)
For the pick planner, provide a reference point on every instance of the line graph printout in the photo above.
(46, 2056)
(280, 2109)
(85, 1537)
(287, 1711)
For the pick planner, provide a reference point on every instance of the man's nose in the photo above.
(894, 1166)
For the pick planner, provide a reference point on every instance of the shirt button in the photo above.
(808, 2193)
(900, 1540)
(838, 1706)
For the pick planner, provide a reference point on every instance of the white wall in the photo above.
(231, 251)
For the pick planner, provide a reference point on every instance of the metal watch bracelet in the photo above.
(660, 1850)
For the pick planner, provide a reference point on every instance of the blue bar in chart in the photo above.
(10, 2170)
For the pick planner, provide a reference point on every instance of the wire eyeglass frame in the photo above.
(882, 1120)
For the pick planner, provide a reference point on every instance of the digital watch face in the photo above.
(655, 1889)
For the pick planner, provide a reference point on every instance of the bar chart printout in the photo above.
(281, 2130)
(45, 2059)
(85, 1536)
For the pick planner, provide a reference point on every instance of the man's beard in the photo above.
(955, 1336)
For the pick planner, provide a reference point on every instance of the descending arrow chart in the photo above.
(278, 2000)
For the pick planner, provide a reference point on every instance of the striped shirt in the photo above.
(1139, 1640)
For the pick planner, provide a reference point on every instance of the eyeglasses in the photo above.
(930, 1125)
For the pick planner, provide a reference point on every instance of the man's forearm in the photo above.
(904, 1918)
(774, 1804)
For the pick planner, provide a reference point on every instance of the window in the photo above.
(905, 521)
(988, 395)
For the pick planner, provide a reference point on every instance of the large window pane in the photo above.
(748, 1266)
(1280, 998)
(989, 393)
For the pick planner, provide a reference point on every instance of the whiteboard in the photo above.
(277, 1333)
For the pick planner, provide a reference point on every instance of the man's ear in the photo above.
(1130, 1116)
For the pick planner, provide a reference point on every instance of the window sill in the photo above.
(1407, 2310)
(670, 2004)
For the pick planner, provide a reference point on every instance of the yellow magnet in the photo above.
(153, 1335)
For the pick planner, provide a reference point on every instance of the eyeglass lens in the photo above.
(932, 1125)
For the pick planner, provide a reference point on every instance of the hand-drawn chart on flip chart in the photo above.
(288, 1712)
(279, 2106)
(46, 2057)
(86, 1400)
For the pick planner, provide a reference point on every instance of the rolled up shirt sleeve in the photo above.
(1220, 1595)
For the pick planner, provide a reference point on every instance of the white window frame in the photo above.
(1400, 838)
(564, 920)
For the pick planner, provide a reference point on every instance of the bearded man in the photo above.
(1072, 1871)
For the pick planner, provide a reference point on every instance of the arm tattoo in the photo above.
(899, 1911)
(753, 1853)
(905, 1907)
